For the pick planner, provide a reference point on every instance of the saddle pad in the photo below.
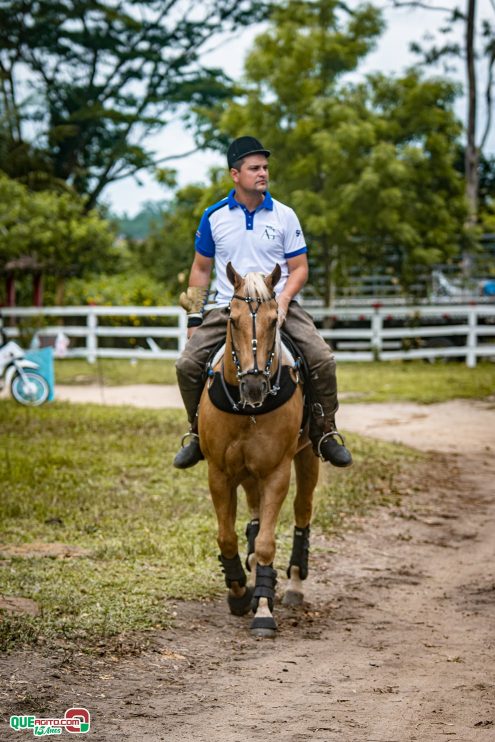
(218, 397)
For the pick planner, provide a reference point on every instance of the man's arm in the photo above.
(199, 277)
(298, 275)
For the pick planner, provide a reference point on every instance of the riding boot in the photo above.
(191, 390)
(189, 455)
(328, 449)
(323, 434)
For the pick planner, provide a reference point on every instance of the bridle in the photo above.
(254, 305)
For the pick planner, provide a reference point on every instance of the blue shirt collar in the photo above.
(267, 202)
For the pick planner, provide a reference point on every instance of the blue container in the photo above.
(44, 358)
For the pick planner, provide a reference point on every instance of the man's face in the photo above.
(253, 175)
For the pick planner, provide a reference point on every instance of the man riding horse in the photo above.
(254, 232)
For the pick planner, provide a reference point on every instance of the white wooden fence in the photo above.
(364, 334)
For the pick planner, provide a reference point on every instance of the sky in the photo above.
(391, 56)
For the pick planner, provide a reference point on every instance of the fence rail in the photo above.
(358, 334)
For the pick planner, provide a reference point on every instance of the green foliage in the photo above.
(52, 230)
(168, 253)
(117, 289)
(123, 289)
(101, 480)
(104, 75)
(139, 227)
(366, 166)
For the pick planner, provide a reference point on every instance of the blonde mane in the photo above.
(255, 286)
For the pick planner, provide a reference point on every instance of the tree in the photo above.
(367, 165)
(54, 231)
(139, 226)
(431, 54)
(102, 76)
(168, 252)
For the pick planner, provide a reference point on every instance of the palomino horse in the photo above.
(256, 451)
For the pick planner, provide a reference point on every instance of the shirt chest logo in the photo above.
(269, 232)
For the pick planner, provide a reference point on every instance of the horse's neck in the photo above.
(229, 369)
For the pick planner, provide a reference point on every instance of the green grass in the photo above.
(414, 381)
(102, 479)
(114, 372)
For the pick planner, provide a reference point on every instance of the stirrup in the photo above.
(190, 434)
(332, 434)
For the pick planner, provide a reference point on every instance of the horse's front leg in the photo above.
(253, 496)
(307, 467)
(224, 496)
(273, 492)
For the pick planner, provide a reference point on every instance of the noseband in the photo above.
(254, 305)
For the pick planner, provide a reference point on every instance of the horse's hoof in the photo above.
(292, 599)
(239, 606)
(264, 626)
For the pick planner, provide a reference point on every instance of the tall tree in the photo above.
(53, 231)
(102, 75)
(168, 252)
(476, 31)
(365, 165)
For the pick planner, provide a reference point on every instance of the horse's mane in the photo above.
(255, 286)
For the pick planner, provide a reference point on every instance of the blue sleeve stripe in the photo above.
(296, 253)
(205, 253)
(204, 243)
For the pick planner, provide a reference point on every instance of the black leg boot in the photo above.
(189, 455)
(323, 434)
(329, 449)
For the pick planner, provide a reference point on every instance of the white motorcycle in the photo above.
(19, 375)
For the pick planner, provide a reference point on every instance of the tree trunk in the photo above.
(327, 270)
(38, 290)
(60, 291)
(472, 155)
(10, 290)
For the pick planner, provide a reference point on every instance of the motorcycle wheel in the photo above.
(30, 389)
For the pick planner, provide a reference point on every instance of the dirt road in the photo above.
(395, 643)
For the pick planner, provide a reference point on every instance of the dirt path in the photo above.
(458, 425)
(395, 643)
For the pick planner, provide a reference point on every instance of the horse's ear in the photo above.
(234, 278)
(274, 277)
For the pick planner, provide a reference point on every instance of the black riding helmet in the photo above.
(244, 146)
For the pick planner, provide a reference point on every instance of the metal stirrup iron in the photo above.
(190, 434)
(332, 434)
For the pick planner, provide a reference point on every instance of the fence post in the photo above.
(376, 334)
(472, 338)
(182, 331)
(91, 338)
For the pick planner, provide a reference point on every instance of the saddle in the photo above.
(226, 397)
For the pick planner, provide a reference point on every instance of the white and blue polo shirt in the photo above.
(250, 240)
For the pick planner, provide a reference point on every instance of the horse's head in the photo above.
(253, 332)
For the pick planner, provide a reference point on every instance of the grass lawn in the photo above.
(114, 372)
(100, 480)
(414, 381)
